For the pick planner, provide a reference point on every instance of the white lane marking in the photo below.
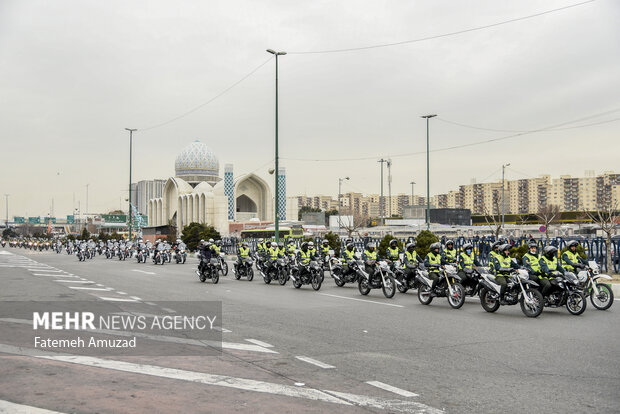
(363, 300)
(224, 330)
(42, 274)
(169, 310)
(89, 288)
(5, 252)
(135, 298)
(74, 281)
(259, 343)
(38, 269)
(143, 271)
(384, 404)
(121, 293)
(315, 362)
(179, 374)
(9, 407)
(390, 388)
(117, 299)
(49, 270)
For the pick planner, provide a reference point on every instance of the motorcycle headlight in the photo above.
(582, 277)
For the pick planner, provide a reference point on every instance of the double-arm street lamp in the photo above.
(131, 131)
(428, 185)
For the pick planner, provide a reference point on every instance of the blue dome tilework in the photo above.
(197, 159)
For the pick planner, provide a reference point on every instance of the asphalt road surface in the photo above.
(287, 350)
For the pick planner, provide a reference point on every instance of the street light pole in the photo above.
(428, 185)
(381, 201)
(503, 202)
(131, 131)
(6, 196)
(277, 172)
(339, 193)
(412, 183)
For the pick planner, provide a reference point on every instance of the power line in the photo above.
(422, 39)
(210, 100)
(471, 144)
(535, 130)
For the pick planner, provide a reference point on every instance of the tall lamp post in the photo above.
(412, 183)
(277, 172)
(131, 131)
(340, 180)
(503, 202)
(6, 197)
(428, 186)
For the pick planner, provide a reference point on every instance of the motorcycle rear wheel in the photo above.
(576, 303)
(363, 286)
(424, 295)
(539, 302)
(488, 303)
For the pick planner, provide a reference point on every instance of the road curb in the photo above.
(615, 287)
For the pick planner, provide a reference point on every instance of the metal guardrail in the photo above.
(595, 248)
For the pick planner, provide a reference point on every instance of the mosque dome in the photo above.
(197, 163)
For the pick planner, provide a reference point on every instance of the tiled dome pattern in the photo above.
(197, 159)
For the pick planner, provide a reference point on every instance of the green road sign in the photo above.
(47, 220)
(114, 218)
(19, 220)
(34, 220)
(70, 219)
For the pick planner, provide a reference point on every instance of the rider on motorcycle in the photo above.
(411, 261)
(206, 254)
(370, 260)
(467, 261)
(493, 254)
(242, 253)
(549, 264)
(348, 255)
(304, 257)
(325, 248)
(433, 263)
(571, 259)
(449, 253)
(503, 266)
(393, 252)
(531, 262)
(290, 248)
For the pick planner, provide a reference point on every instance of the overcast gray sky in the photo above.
(75, 73)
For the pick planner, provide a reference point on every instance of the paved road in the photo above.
(296, 350)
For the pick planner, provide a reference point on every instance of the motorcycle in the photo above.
(404, 281)
(223, 265)
(386, 281)
(159, 257)
(519, 289)
(81, 255)
(245, 269)
(448, 286)
(180, 255)
(601, 294)
(308, 273)
(566, 293)
(208, 269)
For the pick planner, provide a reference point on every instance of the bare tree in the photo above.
(608, 218)
(353, 224)
(548, 215)
(493, 221)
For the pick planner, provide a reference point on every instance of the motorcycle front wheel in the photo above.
(605, 297)
(389, 288)
(215, 277)
(224, 268)
(250, 274)
(282, 277)
(534, 310)
(456, 299)
(316, 281)
(576, 303)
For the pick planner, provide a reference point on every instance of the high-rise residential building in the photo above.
(143, 191)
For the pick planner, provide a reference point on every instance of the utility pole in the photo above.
(339, 193)
(412, 183)
(389, 166)
(131, 131)
(6, 197)
(428, 181)
(503, 200)
(381, 201)
(277, 170)
(87, 203)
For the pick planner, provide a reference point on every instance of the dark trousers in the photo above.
(466, 279)
(544, 285)
(502, 281)
(434, 276)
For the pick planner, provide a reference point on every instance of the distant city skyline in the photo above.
(539, 93)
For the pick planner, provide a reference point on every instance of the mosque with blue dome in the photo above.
(197, 193)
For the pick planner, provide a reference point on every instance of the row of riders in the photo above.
(160, 252)
(541, 279)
